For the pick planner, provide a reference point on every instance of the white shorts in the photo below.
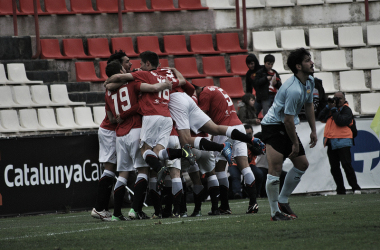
(238, 148)
(174, 143)
(205, 160)
(128, 151)
(107, 145)
(186, 113)
(155, 130)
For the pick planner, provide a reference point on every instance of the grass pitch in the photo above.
(325, 222)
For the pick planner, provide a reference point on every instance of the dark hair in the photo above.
(296, 57)
(247, 126)
(117, 56)
(113, 68)
(247, 97)
(269, 58)
(151, 57)
(252, 58)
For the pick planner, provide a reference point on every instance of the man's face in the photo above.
(144, 66)
(126, 64)
(268, 65)
(251, 65)
(249, 132)
(341, 97)
(307, 65)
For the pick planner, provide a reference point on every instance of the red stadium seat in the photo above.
(74, 48)
(203, 82)
(233, 86)
(228, 43)
(6, 7)
(215, 66)
(136, 6)
(102, 70)
(163, 5)
(125, 44)
(109, 6)
(98, 47)
(188, 67)
(83, 7)
(135, 64)
(56, 7)
(176, 45)
(50, 49)
(85, 72)
(27, 7)
(238, 65)
(191, 5)
(260, 116)
(202, 44)
(145, 43)
(164, 63)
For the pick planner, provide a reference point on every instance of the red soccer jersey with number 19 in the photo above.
(122, 100)
(218, 106)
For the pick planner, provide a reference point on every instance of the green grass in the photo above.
(325, 222)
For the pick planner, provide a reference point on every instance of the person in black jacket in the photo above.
(266, 84)
(253, 65)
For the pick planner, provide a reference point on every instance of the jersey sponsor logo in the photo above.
(365, 155)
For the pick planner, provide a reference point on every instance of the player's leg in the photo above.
(118, 194)
(177, 192)
(166, 193)
(198, 190)
(222, 178)
(155, 195)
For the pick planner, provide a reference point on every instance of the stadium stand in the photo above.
(215, 66)
(327, 81)
(40, 95)
(164, 62)
(238, 65)
(191, 5)
(136, 6)
(322, 38)
(312, 58)
(278, 65)
(17, 73)
(369, 103)
(352, 81)
(99, 114)
(202, 82)
(109, 6)
(285, 77)
(375, 79)
(85, 72)
(350, 37)
(228, 43)
(83, 7)
(98, 47)
(202, 44)
(60, 95)
(125, 44)
(292, 39)
(250, 4)
(373, 35)
(188, 67)
(219, 4)
(333, 60)
(233, 86)
(73, 47)
(265, 41)
(339, 1)
(27, 7)
(28, 120)
(65, 118)
(6, 100)
(145, 43)
(21, 96)
(50, 49)
(3, 76)
(279, 3)
(351, 103)
(83, 117)
(365, 58)
(163, 5)
(47, 120)
(9, 121)
(102, 70)
(310, 2)
(176, 45)
(56, 7)
(6, 7)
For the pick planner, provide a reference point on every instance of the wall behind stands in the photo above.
(48, 174)
(365, 159)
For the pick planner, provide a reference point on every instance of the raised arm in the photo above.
(181, 79)
(145, 87)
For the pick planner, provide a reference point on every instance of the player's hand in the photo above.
(169, 84)
(118, 119)
(295, 151)
(258, 121)
(105, 84)
(313, 139)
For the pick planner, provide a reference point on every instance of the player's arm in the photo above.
(157, 87)
(115, 81)
(111, 117)
(291, 131)
(310, 116)
(181, 79)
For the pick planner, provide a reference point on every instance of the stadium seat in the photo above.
(28, 120)
(6, 8)
(369, 103)
(238, 65)
(327, 81)
(233, 86)
(278, 64)
(50, 49)
(102, 70)
(145, 43)
(219, 4)
(292, 39)
(312, 58)
(339, 1)
(176, 45)
(333, 60)
(99, 114)
(135, 64)
(191, 5)
(56, 7)
(163, 5)
(27, 7)
(17, 73)
(250, 4)
(74, 48)
(60, 96)
(228, 43)
(285, 77)
(202, 82)
(215, 66)
(265, 41)
(46, 119)
(98, 47)
(321, 38)
(278, 3)
(164, 63)
(202, 44)
(65, 118)
(350, 36)
(109, 6)
(6, 100)
(85, 72)
(351, 103)
(40, 95)
(83, 7)
(22, 97)
(188, 67)
(352, 81)
(310, 2)
(136, 6)
(83, 117)
(3, 76)
(373, 35)
(9, 121)
(365, 58)
(375, 79)
(125, 44)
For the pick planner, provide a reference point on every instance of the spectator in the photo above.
(319, 100)
(266, 83)
(338, 138)
(247, 111)
(253, 66)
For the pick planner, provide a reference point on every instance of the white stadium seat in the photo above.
(22, 97)
(292, 39)
(40, 95)
(17, 73)
(265, 41)
(369, 103)
(350, 36)
(9, 121)
(65, 118)
(3, 76)
(312, 58)
(6, 100)
(279, 3)
(339, 1)
(352, 81)
(219, 4)
(285, 77)
(322, 38)
(59, 95)
(375, 79)
(373, 35)
(327, 81)
(310, 2)
(278, 64)
(351, 103)
(46, 118)
(333, 60)
(99, 114)
(29, 120)
(365, 58)
(249, 4)
(83, 117)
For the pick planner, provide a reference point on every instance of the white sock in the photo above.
(108, 173)
(292, 178)
(222, 179)
(121, 181)
(273, 188)
(197, 140)
(176, 185)
(249, 178)
(163, 155)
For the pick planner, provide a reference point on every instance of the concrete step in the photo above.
(88, 97)
(48, 76)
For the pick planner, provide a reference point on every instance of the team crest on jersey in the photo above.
(212, 89)
(308, 90)
(156, 101)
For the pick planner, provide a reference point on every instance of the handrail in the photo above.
(120, 17)
(37, 27)
(14, 8)
(245, 24)
(366, 10)
(237, 9)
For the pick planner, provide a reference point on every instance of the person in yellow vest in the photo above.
(338, 138)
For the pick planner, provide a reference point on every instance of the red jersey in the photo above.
(106, 124)
(188, 88)
(218, 105)
(122, 100)
(154, 103)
